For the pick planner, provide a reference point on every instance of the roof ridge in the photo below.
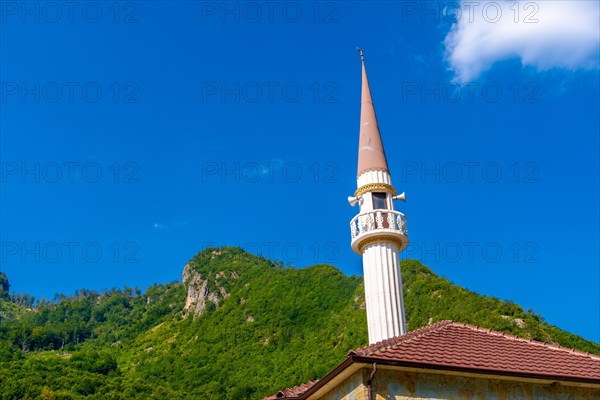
(510, 336)
(384, 344)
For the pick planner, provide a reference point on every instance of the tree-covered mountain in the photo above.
(236, 327)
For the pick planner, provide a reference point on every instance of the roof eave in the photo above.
(327, 378)
(487, 372)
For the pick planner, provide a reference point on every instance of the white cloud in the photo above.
(268, 168)
(176, 223)
(542, 34)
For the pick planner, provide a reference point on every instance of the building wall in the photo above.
(399, 385)
(353, 388)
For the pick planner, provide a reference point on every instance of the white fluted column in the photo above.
(383, 292)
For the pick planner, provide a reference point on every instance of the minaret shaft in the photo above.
(383, 292)
(379, 232)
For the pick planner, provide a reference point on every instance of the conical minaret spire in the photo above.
(378, 232)
(371, 155)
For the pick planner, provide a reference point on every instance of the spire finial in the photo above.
(362, 56)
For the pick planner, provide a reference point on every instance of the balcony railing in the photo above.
(378, 219)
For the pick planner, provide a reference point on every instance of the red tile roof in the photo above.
(456, 346)
(293, 392)
(462, 346)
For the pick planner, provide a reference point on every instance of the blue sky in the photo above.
(135, 134)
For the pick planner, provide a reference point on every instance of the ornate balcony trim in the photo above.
(374, 220)
(380, 239)
(375, 187)
(378, 226)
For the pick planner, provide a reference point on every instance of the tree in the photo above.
(47, 394)
(4, 286)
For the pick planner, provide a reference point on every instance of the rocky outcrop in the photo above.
(517, 321)
(201, 292)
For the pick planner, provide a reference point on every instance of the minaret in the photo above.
(378, 232)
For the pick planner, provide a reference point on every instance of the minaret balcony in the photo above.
(378, 226)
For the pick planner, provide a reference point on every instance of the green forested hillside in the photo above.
(237, 327)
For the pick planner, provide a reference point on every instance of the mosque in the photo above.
(445, 360)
